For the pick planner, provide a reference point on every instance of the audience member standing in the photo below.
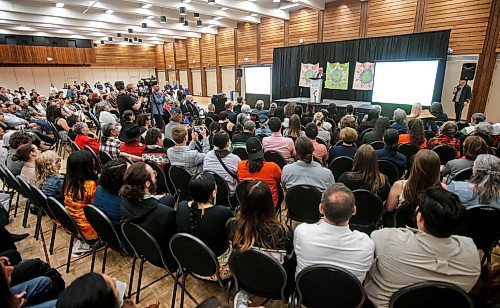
(124, 99)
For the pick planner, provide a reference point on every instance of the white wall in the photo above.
(171, 77)
(196, 74)
(228, 84)
(161, 78)
(493, 104)
(40, 78)
(183, 76)
(211, 81)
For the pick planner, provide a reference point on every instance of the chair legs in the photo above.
(52, 238)
(26, 213)
(71, 242)
(183, 289)
(131, 277)
(94, 249)
(174, 294)
(138, 294)
(38, 223)
(104, 257)
(17, 203)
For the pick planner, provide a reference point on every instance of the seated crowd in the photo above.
(233, 147)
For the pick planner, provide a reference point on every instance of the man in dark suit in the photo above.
(230, 114)
(462, 95)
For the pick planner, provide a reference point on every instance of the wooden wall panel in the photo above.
(226, 46)
(303, 25)
(341, 20)
(498, 45)
(160, 57)
(180, 53)
(14, 54)
(120, 55)
(467, 30)
(272, 35)
(391, 17)
(208, 50)
(247, 43)
(193, 45)
(169, 55)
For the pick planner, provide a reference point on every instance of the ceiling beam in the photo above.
(249, 7)
(313, 4)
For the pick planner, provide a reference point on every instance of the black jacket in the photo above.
(465, 95)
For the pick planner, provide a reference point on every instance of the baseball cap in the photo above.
(254, 148)
(176, 110)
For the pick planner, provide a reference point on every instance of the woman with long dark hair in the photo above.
(377, 134)
(80, 184)
(256, 168)
(415, 135)
(373, 115)
(294, 129)
(390, 150)
(365, 173)
(206, 220)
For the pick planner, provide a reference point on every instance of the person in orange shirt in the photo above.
(416, 134)
(79, 189)
(256, 168)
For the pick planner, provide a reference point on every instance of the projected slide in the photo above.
(404, 82)
(258, 80)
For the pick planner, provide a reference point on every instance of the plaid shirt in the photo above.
(443, 139)
(112, 147)
(188, 157)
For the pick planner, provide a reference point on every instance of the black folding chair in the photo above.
(340, 165)
(223, 193)
(25, 190)
(73, 145)
(275, 157)
(302, 203)
(68, 224)
(105, 231)
(168, 143)
(429, 134)
(403, 216)
(193, 257)
(445, 153)
(269, 281)
(241, 153)
(13, 185)
(40, 200)
(180, 177)
(146, 248)
(377, 145)
(481, 224)
(431, 294)
(208, 121)
(61, 143)
(104, 157)
(389, 169)
(408, 150)
(161, 178)
(369, 210)
(462, 175)
(94, 156)
(314, 287)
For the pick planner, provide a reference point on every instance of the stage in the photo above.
(360, 107)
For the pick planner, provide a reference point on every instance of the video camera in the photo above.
(145, 85)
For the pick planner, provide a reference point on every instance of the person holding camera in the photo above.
(126, 101)
(462, 95)
(157, 107)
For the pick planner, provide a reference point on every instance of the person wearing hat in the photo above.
(221, 161)
(131, 137)
(256, 168)
(175, 120)
(186, 156)
(82, 139)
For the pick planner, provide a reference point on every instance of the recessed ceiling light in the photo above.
(217, 18)
(59, 4)
(109, 11)
(199, 23)
(289, 6)
(146, 6)
(211, 2)
(130, 30)
(186, 1)
(254, 15)
(118, 34)
(186, 23)
(144, 25)
(196, 15)
(182, 11)
(150, 17)
(163, 19)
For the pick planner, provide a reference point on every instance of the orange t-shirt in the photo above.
(270, 173)
(75, 209)
(405, 138)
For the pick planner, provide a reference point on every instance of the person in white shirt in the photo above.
(106, 117)
(330, 240)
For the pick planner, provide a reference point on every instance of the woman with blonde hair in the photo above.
(319, 120)
(416, 110)
(48, 178)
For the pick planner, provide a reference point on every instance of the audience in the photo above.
(154, 150)
(416, 110)
(320, 152)
(211, 112)
(436, 110)
(390, 150)
(415, 135)
(239, 140)
(276, 142)
(399, 117)
(476, 118)
(348, 148)
(132, 145)
(473, 146)
(109, 142)
(47, 176)
(484, 186)
(27, 153)
(305, 171)
(256, 168)
(82, 139)
(186, 156)
(16, 140)
(365, 173)
(323, 133)
(225, 123)
(206, 220)
(373, 115)
(448, 131)
(381, 125)
(405, 256)
(294, 130)
(330, 241)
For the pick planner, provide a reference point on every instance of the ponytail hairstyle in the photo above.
(202, 187)
(221, 141)
(304, 149)
(486, 178)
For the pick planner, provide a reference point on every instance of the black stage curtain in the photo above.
(287, 60)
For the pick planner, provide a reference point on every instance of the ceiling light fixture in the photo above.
(150, 17)
(217, 18)
(186, 1)
(163, 19)
(110, 39)
(276, 1)
(102, 42)
(59, 4)
(144, 25)
(146, 6)
(135, 39)
(109, 11)
(251, 0)
(253, 15)
(182, 11)
(130, 30)
(289, 6)
(118, 34)
(125, 39)
(196, 15)
(199, 23)
(139, 40)
(211, 2)
(182, 19)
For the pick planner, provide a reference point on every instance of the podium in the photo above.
(316, 88)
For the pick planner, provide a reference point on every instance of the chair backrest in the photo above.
(223, 192)
(377, 145)
(429, 134)
(94, 156)
(11, 180)
(24, 188)
(321, 141)
(462, 175)
(208, 121)
(340, 165)
(105, 157)
(53, 128)
(240, 189)
(275, 157)
(62, 215)
(102, 225)
(367, 130)
(302, 203)
(269, 281)
(445, 153)
(73, 145)
(481, 224)
(408, 150)
(389, 169)
(403, 217)
(369, 210)
(314, 287)
(180, 177)
(40, 199)
(241, 153)
(168, 143)
(144, 244)
(193, 255)
(431, 294)
(161, 178)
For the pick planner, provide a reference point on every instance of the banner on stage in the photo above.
(337, 76)
(307, 71)
(363, 76)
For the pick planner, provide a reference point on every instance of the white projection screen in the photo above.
(258, 80)
(405, 82)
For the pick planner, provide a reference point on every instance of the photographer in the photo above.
(157, 107)
(125, 101)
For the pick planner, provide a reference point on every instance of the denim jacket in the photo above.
(53, 187)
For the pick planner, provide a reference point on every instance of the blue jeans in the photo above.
(36, 290)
